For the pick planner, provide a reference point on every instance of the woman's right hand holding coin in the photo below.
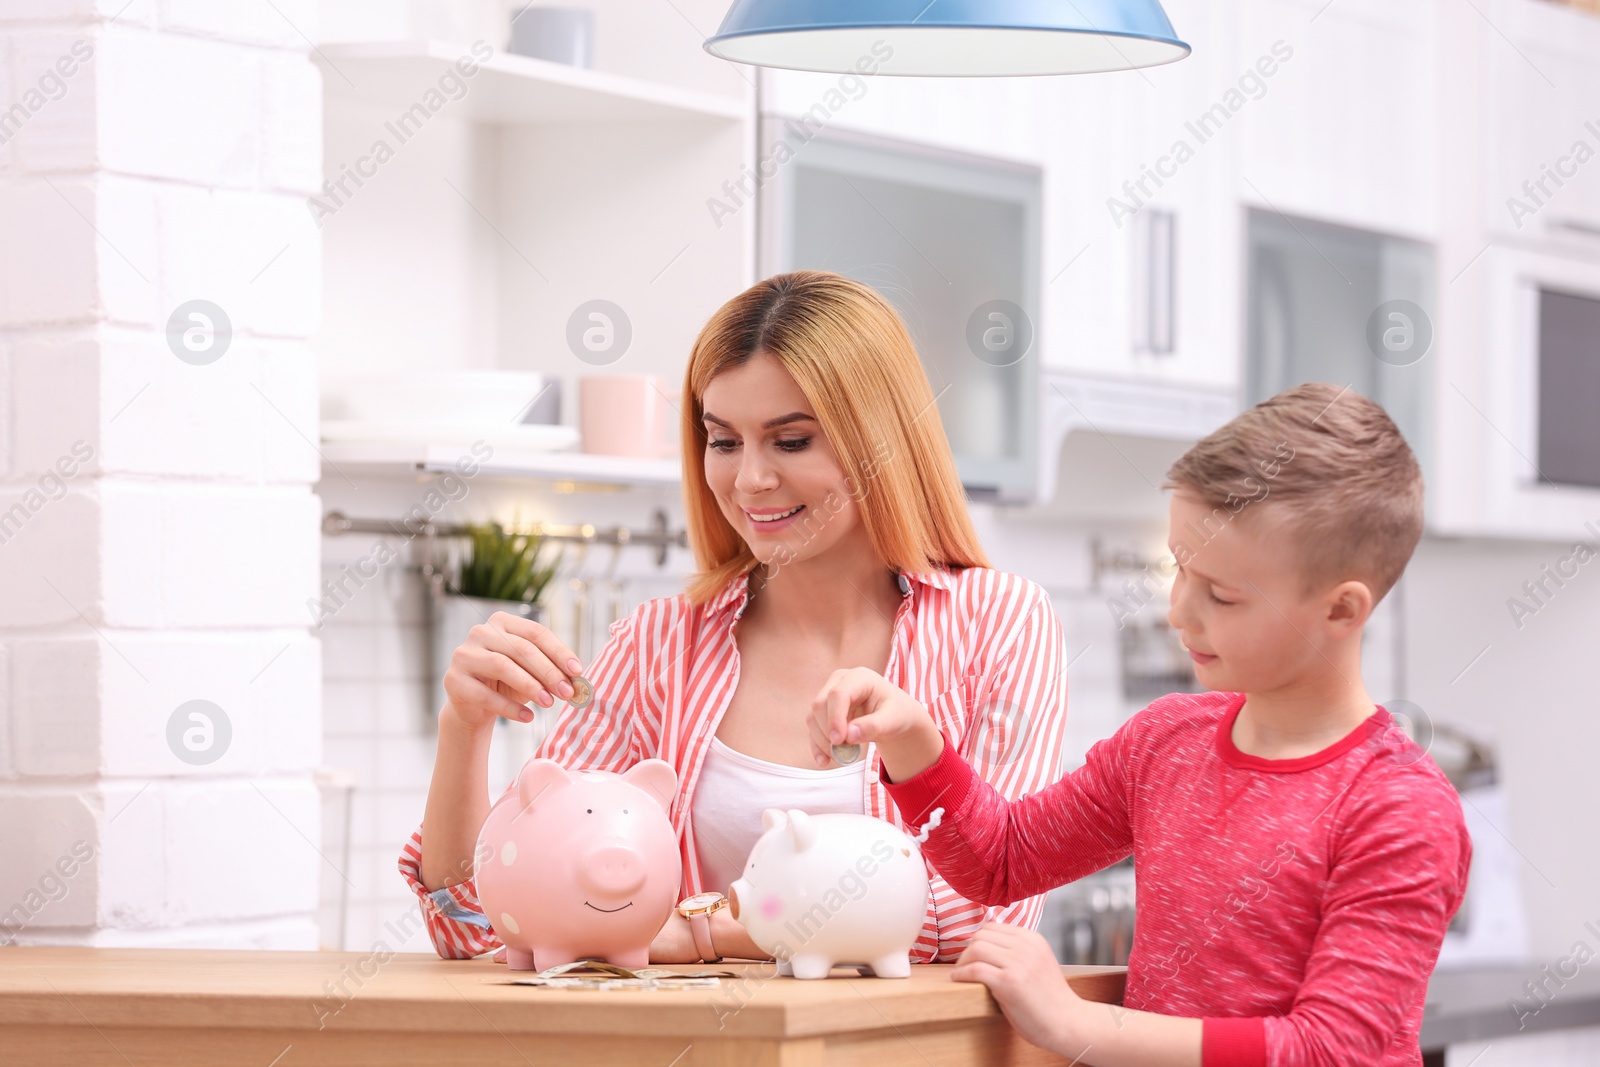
(504, 664)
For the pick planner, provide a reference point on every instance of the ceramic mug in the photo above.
(558, 34)
(632, 415)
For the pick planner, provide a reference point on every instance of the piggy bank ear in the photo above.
(802, 829)
(773, 817)
(656, 777)
(538, 777)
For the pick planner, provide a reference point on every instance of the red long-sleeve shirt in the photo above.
(1297, 906)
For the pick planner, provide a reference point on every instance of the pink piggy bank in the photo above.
(575, 864)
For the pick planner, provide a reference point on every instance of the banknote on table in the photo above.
(596, 974)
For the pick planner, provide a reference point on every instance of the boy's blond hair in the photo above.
(1335, 468)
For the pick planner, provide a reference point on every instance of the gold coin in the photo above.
(582, 691)
(845, 754)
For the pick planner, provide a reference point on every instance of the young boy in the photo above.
(1298, 857)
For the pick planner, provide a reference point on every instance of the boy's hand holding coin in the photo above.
(859, 705)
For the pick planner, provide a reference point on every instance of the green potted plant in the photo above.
(499, 570)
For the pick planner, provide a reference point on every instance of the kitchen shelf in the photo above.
(510, 88)
(575, 467)
(1151, 415)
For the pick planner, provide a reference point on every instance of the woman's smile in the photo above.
(771, 520)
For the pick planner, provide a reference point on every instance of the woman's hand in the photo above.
(1022, 973)
(675, 942)
(859, 705)
(501, 666)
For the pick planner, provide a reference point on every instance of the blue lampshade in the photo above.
(950, 38)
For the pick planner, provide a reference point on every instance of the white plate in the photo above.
(458, 397)
(529, 437)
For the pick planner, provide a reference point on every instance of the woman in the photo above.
(831, 533)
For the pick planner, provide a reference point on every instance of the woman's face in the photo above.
(775, 476)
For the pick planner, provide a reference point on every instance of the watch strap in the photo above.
(700, 927)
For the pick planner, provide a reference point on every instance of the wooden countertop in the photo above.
(121, 1006)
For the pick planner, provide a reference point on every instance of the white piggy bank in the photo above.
(820, 890)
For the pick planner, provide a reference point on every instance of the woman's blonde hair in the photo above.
(849, 352)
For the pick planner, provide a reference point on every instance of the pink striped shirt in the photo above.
(982, 650)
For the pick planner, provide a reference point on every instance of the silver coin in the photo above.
(582, 692)
(846, 754)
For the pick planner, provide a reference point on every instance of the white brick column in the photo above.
(158, 529)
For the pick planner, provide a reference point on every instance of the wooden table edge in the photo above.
(290, 992)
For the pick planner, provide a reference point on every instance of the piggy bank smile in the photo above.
(608, 911)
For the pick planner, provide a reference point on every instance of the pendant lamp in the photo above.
(948, 38)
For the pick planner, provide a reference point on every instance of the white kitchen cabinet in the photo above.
(1346, 130)
(1488, 478)
(1542, 143)
(467, 219)
(544, 187)
(1516, 83)
(952, 242)
(1346, 306)
(1106, 442)
(1090, 135)
(1160, 161)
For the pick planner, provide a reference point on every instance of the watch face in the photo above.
(699, 900)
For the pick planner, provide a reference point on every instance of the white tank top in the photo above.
(734, 789)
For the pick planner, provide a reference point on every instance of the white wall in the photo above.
(1533, 692)
(166, 164)
(377, 682)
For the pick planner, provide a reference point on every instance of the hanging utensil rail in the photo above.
(659, 535)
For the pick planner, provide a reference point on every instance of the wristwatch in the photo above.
(698, 909)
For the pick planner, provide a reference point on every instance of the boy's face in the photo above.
(1239, 600)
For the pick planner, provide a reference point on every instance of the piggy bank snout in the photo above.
(614, 868)
(739, 886)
